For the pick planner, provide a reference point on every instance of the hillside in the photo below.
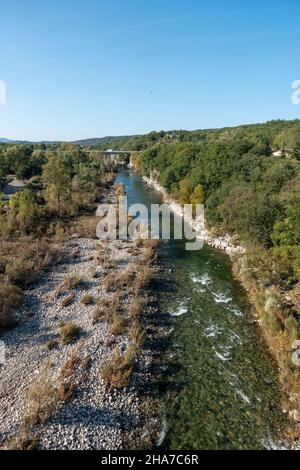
(105, 142)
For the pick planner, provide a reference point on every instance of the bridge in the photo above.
(120, 156)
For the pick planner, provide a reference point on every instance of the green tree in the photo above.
(58, 178)
(23, 212)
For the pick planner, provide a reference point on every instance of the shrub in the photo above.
(21, 273)
(87, 299)
(68, 332)
(47, 254)
(86, 227)
(67, 300)
(71, 281)
(10, 298)
(117, 371)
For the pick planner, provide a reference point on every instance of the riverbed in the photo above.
(219, 387)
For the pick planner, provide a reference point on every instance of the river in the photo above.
(221, 389)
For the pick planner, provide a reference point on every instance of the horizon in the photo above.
(115, 69)
(12, 140)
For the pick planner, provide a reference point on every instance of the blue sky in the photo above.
(79, 69)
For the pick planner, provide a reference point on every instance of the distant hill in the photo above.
(103, 142)
(3, 140)
(107, 142)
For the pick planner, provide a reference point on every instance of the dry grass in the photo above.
(109, 264)
(67, 390)
(41, 400)
(98, 314)
(51, 344)
(69, 367)
(68, 332)
(67, 378)
(101, 258)
(71, 281)
(68, 300)
(137, 307)
(41, 252)
(136, 334)
(124, 279)
(149, 255)
(24, 440)
(117, 326)
(144, 275)
(87, 299)
(117, 371)
(85, 363)
(113, 306)
(94, 272)
(139, 242)
(151, 243)
(109, 282)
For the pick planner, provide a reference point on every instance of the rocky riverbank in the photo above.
(225, 243)
(55, 393)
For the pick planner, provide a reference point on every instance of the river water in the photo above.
(221, 389)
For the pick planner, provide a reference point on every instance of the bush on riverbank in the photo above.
(21, 273)
(117, 371)
(10, 299)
